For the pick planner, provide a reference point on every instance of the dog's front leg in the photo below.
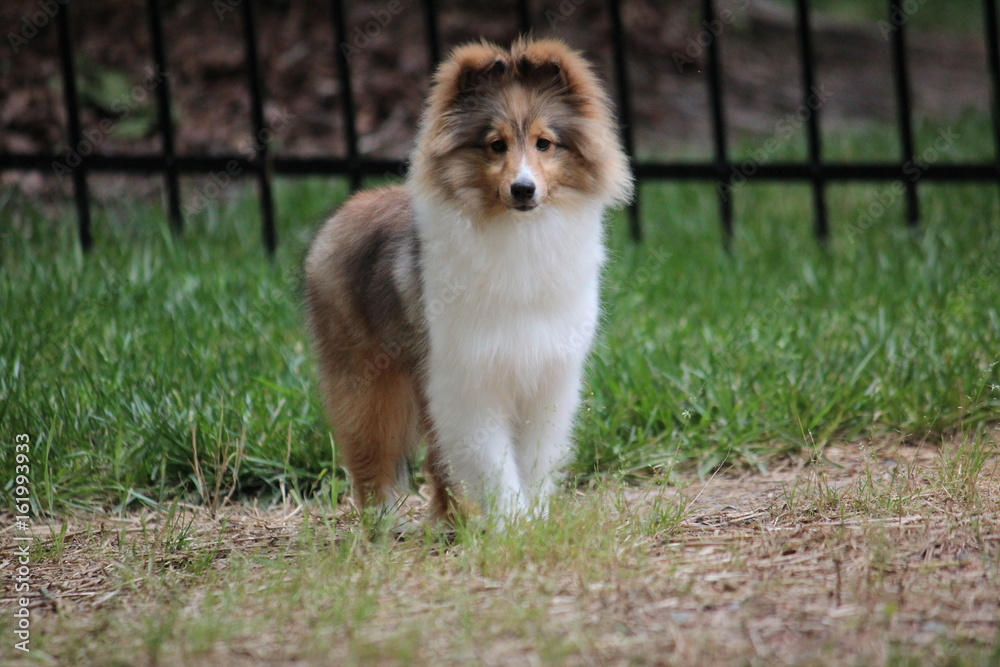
(476, 445)
(546, 435)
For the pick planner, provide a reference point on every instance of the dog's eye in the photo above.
(498, 146)
(543, 144)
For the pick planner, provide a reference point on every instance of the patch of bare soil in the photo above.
(857, 556)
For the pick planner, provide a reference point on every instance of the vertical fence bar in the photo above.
(724, 178)
(993, 65)
(166, 123)
(904, 106)
(344, 68)
(524, 16)
(433, 40)
(812, 102)
(261, 134)
(74, 134)
(624, 105)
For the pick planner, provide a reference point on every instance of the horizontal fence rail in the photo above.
(721, 169)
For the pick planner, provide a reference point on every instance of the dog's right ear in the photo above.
(470, 68)
(476, 77)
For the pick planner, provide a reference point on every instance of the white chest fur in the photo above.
(512, 295)
(511, 310)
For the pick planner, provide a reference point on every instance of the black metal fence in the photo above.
(264, 166)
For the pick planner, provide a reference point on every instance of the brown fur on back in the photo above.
(368, 333)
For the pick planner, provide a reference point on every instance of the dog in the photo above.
(460, 307)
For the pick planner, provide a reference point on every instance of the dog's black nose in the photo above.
(522, 191)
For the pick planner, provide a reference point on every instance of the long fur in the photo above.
(461, 306)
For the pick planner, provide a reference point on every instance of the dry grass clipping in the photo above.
(856, 554)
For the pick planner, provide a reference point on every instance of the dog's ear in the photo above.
(471, 68)
(543, 74)
(476, 76)
(551, 63)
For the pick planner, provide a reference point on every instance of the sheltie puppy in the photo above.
(460, 307)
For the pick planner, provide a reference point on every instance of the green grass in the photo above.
(717, 358)
(159, 367)
(964, 138)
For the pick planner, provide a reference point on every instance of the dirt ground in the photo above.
(806, 569)
(859, 556)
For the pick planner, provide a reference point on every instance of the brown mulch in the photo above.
(785, 564)
(211, 102)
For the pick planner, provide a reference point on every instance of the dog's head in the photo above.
(512, 130)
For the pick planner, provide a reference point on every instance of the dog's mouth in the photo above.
(520, 205)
